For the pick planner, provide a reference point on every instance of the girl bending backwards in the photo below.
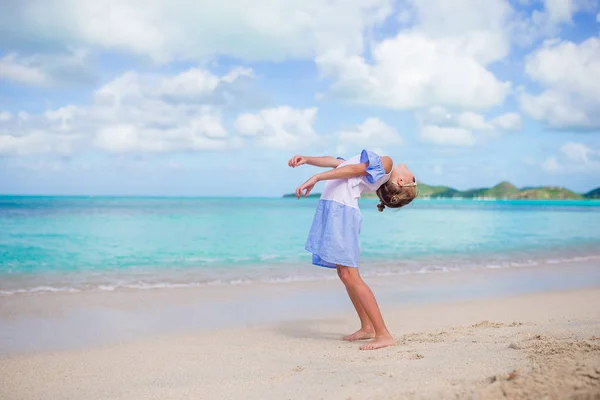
(333, 238)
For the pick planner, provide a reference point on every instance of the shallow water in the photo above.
(73, 244)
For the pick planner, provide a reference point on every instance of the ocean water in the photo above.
(50, 244)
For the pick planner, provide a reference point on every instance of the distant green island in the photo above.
(503, 190)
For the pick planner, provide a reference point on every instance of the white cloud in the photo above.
(507, 122)
(443, 59)
(551, 165)
(14, 69)
(413, 71)
(564, 63)
(598, 17)
(372, 132)
(445, 55)
(198, 82)
(197, 29)
(24, 135)
(481, 27)
(194, 85)
(561, 11)
(163, 114)
(468, 120)
(579, 153)
(47, 69)
(194, 135)
(558, 11)
(281, 127)
(441, 127)
(574, 157)
(547, 21)
(64, 115)
(132, 113)
(447, 136)
(473, 121)
(37, 142)
(570, 75)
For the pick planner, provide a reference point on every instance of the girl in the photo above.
(333, 238)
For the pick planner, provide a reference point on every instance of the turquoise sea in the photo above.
(70, 244)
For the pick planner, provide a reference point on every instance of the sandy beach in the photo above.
(526, 346)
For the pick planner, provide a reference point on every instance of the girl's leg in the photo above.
(355, 285)
(366, 330)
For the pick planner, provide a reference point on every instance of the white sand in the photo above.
(521, 347)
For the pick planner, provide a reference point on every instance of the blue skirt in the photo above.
(333, 238)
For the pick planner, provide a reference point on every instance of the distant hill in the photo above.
(437, 191)
(593, 194)
(548, 193)
(503, 190)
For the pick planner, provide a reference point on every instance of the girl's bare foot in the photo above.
(378, 343)
(360, 334)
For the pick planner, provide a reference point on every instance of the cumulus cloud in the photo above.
(473, 121)
(23, 135)
(447, 136)
(413, 71)
(570, 76)
(13, 69)
(560, 11)
(574, 157)
(547, 18)
(438, 60)
(38, 142)
(444, 128)
(131, 113)
(47, 69)
(372, 131)
(280, 127)
(507, 122)
(188, 29)
(443, 53)
(203, 133)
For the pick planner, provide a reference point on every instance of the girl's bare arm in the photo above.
(324, 161)
(347, 171)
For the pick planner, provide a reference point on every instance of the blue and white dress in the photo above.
(333, 238)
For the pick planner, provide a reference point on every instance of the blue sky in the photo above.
(186, 97)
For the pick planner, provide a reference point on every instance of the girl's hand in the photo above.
(297, 161)
(308, 186)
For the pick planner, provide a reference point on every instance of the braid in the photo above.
(382, 193)
(393, 196)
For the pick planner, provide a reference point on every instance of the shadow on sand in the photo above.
(313, 329)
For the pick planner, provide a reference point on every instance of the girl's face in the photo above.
(401, 175)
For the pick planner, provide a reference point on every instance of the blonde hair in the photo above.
(394, 196)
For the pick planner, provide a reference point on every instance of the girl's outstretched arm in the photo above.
(325, 161)
(347, 171)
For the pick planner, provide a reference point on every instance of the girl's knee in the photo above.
(348, 275)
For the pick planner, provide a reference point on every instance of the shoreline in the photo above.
(270, 271)
(525, 345)
(84, 319)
